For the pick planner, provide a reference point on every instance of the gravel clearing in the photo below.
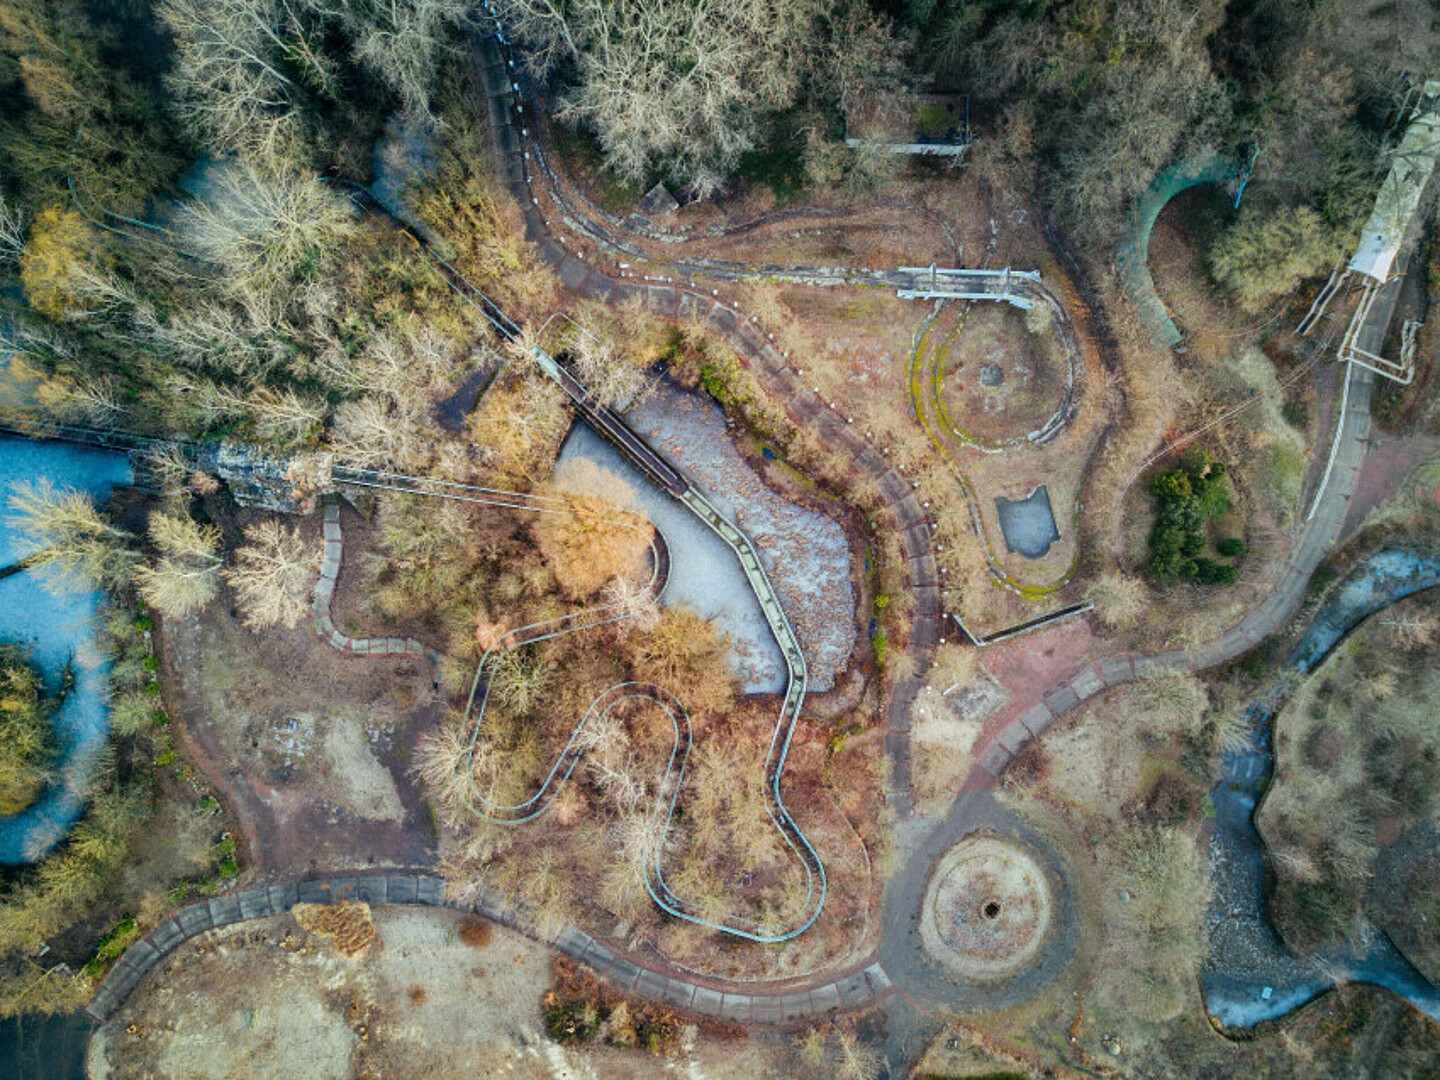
(267, 999)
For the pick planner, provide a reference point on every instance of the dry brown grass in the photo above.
(347, 924)
(475, 931)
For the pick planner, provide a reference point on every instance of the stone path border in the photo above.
(859, 986)
(325, 594)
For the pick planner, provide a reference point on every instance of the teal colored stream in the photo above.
(59, 630)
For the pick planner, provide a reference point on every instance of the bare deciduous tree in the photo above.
(273, 574)
(284, 417)
(598, 537)
(607, 373)
(64, 536)
(234, 61)
(12, 232)
(260, 221)
(677, 84)
(403, 40)
(634, 603)
(186, 576)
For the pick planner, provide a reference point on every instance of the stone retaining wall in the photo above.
(848, 991)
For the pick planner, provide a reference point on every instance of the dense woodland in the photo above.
(266, 304)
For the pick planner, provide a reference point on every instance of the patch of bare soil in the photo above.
(1001, 381)
(267, 999)
(311, 747)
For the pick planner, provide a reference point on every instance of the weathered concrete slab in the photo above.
(598, 956)
(678, 993)
(994, 759)
(1015, 736)
(224, 910)
(651, 984)
(1036, 719)
(735, 1007)
(373, 890)
(766, 1009)
(623, 973)
(797, 1005)
(825, 998)
(283, 897)
(400, 888)
(1158, 667)
(1062, 700)
(142, 955)
(878, 980)
(706, 1001)
(1116, 670)
(1087, 684)
(491, 905)
(314, 892)
(430, 890)
(573, 941)
(853, 988)
(167, 935)
(254, 903)
(194, 919)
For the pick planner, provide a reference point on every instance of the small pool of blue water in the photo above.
(1028, 524)
(59, 630)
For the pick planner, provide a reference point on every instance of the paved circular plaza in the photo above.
(988, 908)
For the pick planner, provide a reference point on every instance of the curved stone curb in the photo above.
(857, 988)
(1133, 256)
(325, 593)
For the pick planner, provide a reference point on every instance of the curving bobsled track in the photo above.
(608, 424)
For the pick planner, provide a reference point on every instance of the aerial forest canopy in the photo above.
(684, 87)
(26, 742)
(259, 317)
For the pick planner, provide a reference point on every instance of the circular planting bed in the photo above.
(1001, 381)
(987, 911)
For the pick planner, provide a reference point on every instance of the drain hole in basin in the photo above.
(991, 910)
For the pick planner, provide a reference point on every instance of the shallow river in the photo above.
(58, 630)
(1251, 976)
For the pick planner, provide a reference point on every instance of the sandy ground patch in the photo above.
(945, 729)
(266, 999)
(357, 779)
(311, 748)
